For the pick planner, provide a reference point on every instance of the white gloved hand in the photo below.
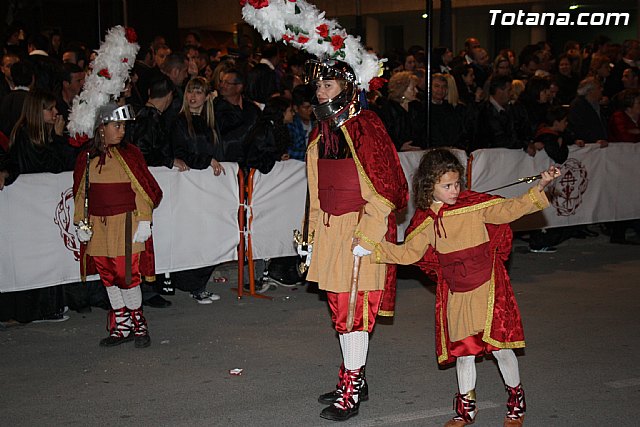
(305, 252)
(83, 232)
(360, 251)
(143, 232)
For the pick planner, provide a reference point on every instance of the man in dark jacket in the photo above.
(235, 115)
(496, 127)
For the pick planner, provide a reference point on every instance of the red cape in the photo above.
(504, 318)
(375, 155)
(137, 170)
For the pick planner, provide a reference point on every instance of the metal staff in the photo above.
(527, 179)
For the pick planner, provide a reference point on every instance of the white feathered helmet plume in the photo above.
(303, 26)
(110, 71)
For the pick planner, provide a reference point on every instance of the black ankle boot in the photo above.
(348, 402)
(331, 397)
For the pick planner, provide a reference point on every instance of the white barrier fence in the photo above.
(196, 223)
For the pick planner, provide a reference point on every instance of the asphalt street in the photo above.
(580, 367)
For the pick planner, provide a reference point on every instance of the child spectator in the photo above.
(302, 124)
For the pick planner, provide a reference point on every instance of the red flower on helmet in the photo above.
(303, 39)
(78, 140)
(258, 4)
(376, 83)
(287, 38)
(323, 30)
(337, 41)
(105, 73)
(130, 35)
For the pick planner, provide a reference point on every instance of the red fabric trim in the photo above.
(471, 346)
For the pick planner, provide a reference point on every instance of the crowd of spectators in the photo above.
(541, 99)
(199, 107)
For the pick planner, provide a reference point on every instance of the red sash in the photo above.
(111, 199)
(466, 269)
(339, 186)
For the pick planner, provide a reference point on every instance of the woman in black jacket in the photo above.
(37, 146)
(194, 135)
(402, 114)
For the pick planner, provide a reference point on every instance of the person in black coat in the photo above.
(235, 115)
(36, 146)
(269, 140)
(194, 135)
(149, 131)
(587, 121)
(402, 114)
(496, 125)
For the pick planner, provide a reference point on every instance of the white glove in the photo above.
(303, 252)
(83, 232)
(360, 251)
(143, 232)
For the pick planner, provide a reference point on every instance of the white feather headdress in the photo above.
(303, 26)
(116, 57)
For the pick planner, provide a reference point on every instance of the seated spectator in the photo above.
(303, 121)
(495, 126)
(623, 125)
(587, 122)
(402, 114)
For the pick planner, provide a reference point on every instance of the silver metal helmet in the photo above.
(111, 112)
(342, 107)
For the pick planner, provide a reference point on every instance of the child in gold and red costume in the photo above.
(116, 234)
(462, 238)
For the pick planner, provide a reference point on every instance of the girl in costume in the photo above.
(463, 238)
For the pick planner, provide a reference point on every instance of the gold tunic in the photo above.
(332, 258)
(465, 228)
(109, 231)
